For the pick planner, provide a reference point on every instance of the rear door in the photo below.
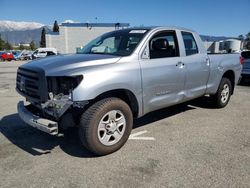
(163, 74)
(197, 67)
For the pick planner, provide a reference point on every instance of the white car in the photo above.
(44, 52)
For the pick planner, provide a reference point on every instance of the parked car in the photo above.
(6, 56)
(16, 54)
(44, 52)
(25, 55)
(245, 58)
(122, 75)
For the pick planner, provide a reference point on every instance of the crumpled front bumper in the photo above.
(45, 125)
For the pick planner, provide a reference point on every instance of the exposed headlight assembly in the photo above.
(63, 84)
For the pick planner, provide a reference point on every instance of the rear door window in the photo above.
(189, 43)
(50, 53)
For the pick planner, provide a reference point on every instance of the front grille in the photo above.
(32, 84)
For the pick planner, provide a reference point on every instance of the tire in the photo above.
(105, 126)
(223, 95)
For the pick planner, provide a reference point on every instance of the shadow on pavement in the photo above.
(245, 82)
(161, 114)
(36, 142)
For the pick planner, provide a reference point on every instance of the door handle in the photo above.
(180, 64)
(207, 61)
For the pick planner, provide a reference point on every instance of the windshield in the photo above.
(119, 43)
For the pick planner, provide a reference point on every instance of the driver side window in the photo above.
(164, 44)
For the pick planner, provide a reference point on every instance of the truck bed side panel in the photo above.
(219, 64)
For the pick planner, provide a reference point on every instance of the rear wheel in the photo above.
(105, 126)
(223, 95)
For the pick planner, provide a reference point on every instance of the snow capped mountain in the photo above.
(6, 25)
(69, 21)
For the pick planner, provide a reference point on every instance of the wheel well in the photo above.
(230, 75)
(123, 94)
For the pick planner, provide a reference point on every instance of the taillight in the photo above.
(241, 60)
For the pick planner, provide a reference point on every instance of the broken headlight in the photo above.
(63, 84)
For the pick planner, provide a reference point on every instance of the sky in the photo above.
(210, 17)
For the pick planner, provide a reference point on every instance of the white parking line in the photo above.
(134, 136)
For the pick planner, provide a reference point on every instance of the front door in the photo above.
(163, 74)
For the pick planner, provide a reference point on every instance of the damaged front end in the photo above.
(60, 95)
(50, 98)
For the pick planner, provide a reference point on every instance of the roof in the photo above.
(95, 24)
(161, 27)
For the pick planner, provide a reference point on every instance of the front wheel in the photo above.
(223, 95)
(105, 126)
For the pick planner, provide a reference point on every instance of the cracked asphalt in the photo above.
(195, 146)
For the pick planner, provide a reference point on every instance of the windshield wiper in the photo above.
(99, 53)
(102, 53)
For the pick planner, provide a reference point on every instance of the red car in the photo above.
(6, 56)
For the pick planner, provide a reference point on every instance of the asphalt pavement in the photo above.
(188, 145)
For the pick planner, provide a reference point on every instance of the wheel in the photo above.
(105, 126)
(222, 97)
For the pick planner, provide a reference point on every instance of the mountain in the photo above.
(21, 32)
(215, 38)
(23, 37)
(6, 25)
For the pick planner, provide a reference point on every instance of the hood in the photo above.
(68, 64)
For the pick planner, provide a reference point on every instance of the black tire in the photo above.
(90, 119)
(218, 99)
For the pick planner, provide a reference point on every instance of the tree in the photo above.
(241, 37)
(8, 46)
(21, 47)
(43, 38)
(55, 27)
(248, 36)
(32, 45)
(2, 43)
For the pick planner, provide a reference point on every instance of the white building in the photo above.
(72, 36)
(224, 46)
(233, 45)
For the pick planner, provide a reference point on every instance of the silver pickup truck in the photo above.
(120, 76)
